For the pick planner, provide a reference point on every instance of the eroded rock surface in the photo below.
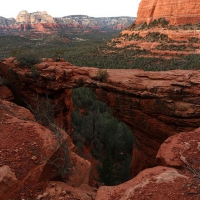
(182, 152)
(29, 154)
(165, 28)
(155, 105)
(175, 11)
(43, 22)
(8, 181)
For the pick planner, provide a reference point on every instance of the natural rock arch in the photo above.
(155, 105)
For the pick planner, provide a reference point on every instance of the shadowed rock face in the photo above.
(176, 11)
(155, 105)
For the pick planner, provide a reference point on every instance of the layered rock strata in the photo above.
(34, 21)
(164, 28)
(175, 11)
(30, 155)
(155, 105)
(175, 178)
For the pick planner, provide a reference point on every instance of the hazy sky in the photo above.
(61, 8)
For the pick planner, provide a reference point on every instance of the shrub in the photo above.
(44, 113)
(43, 110)
(28, 58)
(193, 40)
(35, 72)
(102, 75)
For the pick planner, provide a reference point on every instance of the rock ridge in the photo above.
(31, 21)
(164, 28)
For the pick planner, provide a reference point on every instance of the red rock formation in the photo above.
(175, 22)
(43, 22)
(61, 190)
(27, 151)
(154, 183)
(175, 11)
(181, 151)
(5, 93)
(8, 181)
(155, 105)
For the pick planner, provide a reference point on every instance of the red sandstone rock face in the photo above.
(175, 21)
(162, 182)
(5, 93)
(175, 11)
(155, 105)
(181, 151)
(8, 181)
(27, 150)
(43, 22)
(154, 183)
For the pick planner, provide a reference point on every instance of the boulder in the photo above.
(8, 181)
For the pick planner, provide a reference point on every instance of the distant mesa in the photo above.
(34, 18)
(34, 21)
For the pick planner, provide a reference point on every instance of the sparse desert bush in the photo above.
(193, 40)
(44, 113)
(43, 110)
(102, 75)
(35, 72)
(28, 58)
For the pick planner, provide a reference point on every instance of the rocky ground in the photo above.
(26, 151)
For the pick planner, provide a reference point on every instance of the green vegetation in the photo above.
(110, 140)
(102, 75)
(162, 22)
(93, 50)
(44, 111)
(51, 45)
(28, 58)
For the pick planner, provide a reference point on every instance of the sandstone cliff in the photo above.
(157, 106)
(175, 11)
(34, 18)
(34, 21)
(30, 156)
(164, 28)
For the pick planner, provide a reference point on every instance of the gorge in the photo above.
(162, 109)
(155, 105)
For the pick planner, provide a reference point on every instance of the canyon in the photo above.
(43, 22)
(161, 108)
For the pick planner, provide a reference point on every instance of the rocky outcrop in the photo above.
(166, 41)
(155, 105)
(8, 181)
(29, 155)
(60, 190)
(177, 12)
(5, 93)
(153, 183)
(34, 18)
(164, 28)
(43, 22)
(181, 152)
(22, 175)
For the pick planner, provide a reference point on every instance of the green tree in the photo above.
(107, 172)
